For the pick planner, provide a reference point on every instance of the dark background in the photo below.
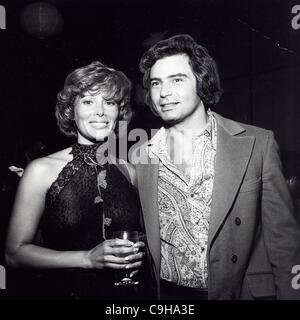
(253, 42)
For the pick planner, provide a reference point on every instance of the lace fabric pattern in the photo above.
(89, 200)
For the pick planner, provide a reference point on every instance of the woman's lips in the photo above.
(98, 124)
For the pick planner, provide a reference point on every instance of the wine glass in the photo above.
(132, 236)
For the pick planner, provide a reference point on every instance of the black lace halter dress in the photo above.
(84, 205)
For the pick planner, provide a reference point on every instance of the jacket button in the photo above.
(237, 221)
(234, 258)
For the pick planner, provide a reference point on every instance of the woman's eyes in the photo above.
(110, 102)
(87, 101)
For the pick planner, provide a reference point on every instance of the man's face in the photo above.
(173, 89)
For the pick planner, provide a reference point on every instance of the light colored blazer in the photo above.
(254, 239)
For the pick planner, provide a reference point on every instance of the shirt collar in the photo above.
(208, 130)
(157, 144)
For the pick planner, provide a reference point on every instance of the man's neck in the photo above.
(193, 124)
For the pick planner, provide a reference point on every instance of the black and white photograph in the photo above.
(150, 152)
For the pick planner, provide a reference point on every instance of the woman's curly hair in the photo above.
(94, 77)
(203, 66)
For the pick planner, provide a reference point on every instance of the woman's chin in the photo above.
(101, 135)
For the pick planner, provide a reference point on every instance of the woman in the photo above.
(74, 199)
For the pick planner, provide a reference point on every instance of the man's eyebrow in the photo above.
(178, 75)
(155, 79)
(171, 76)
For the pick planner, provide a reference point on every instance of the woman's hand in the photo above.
(116, 254)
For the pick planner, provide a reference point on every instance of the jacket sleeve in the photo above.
(281, 231)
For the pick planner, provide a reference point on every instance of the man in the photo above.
(217, 210)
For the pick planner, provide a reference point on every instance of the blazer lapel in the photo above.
(233, 155)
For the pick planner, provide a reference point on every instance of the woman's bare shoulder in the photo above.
(60, 156)
(49, 166)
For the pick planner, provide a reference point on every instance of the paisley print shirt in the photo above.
(184, 208)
